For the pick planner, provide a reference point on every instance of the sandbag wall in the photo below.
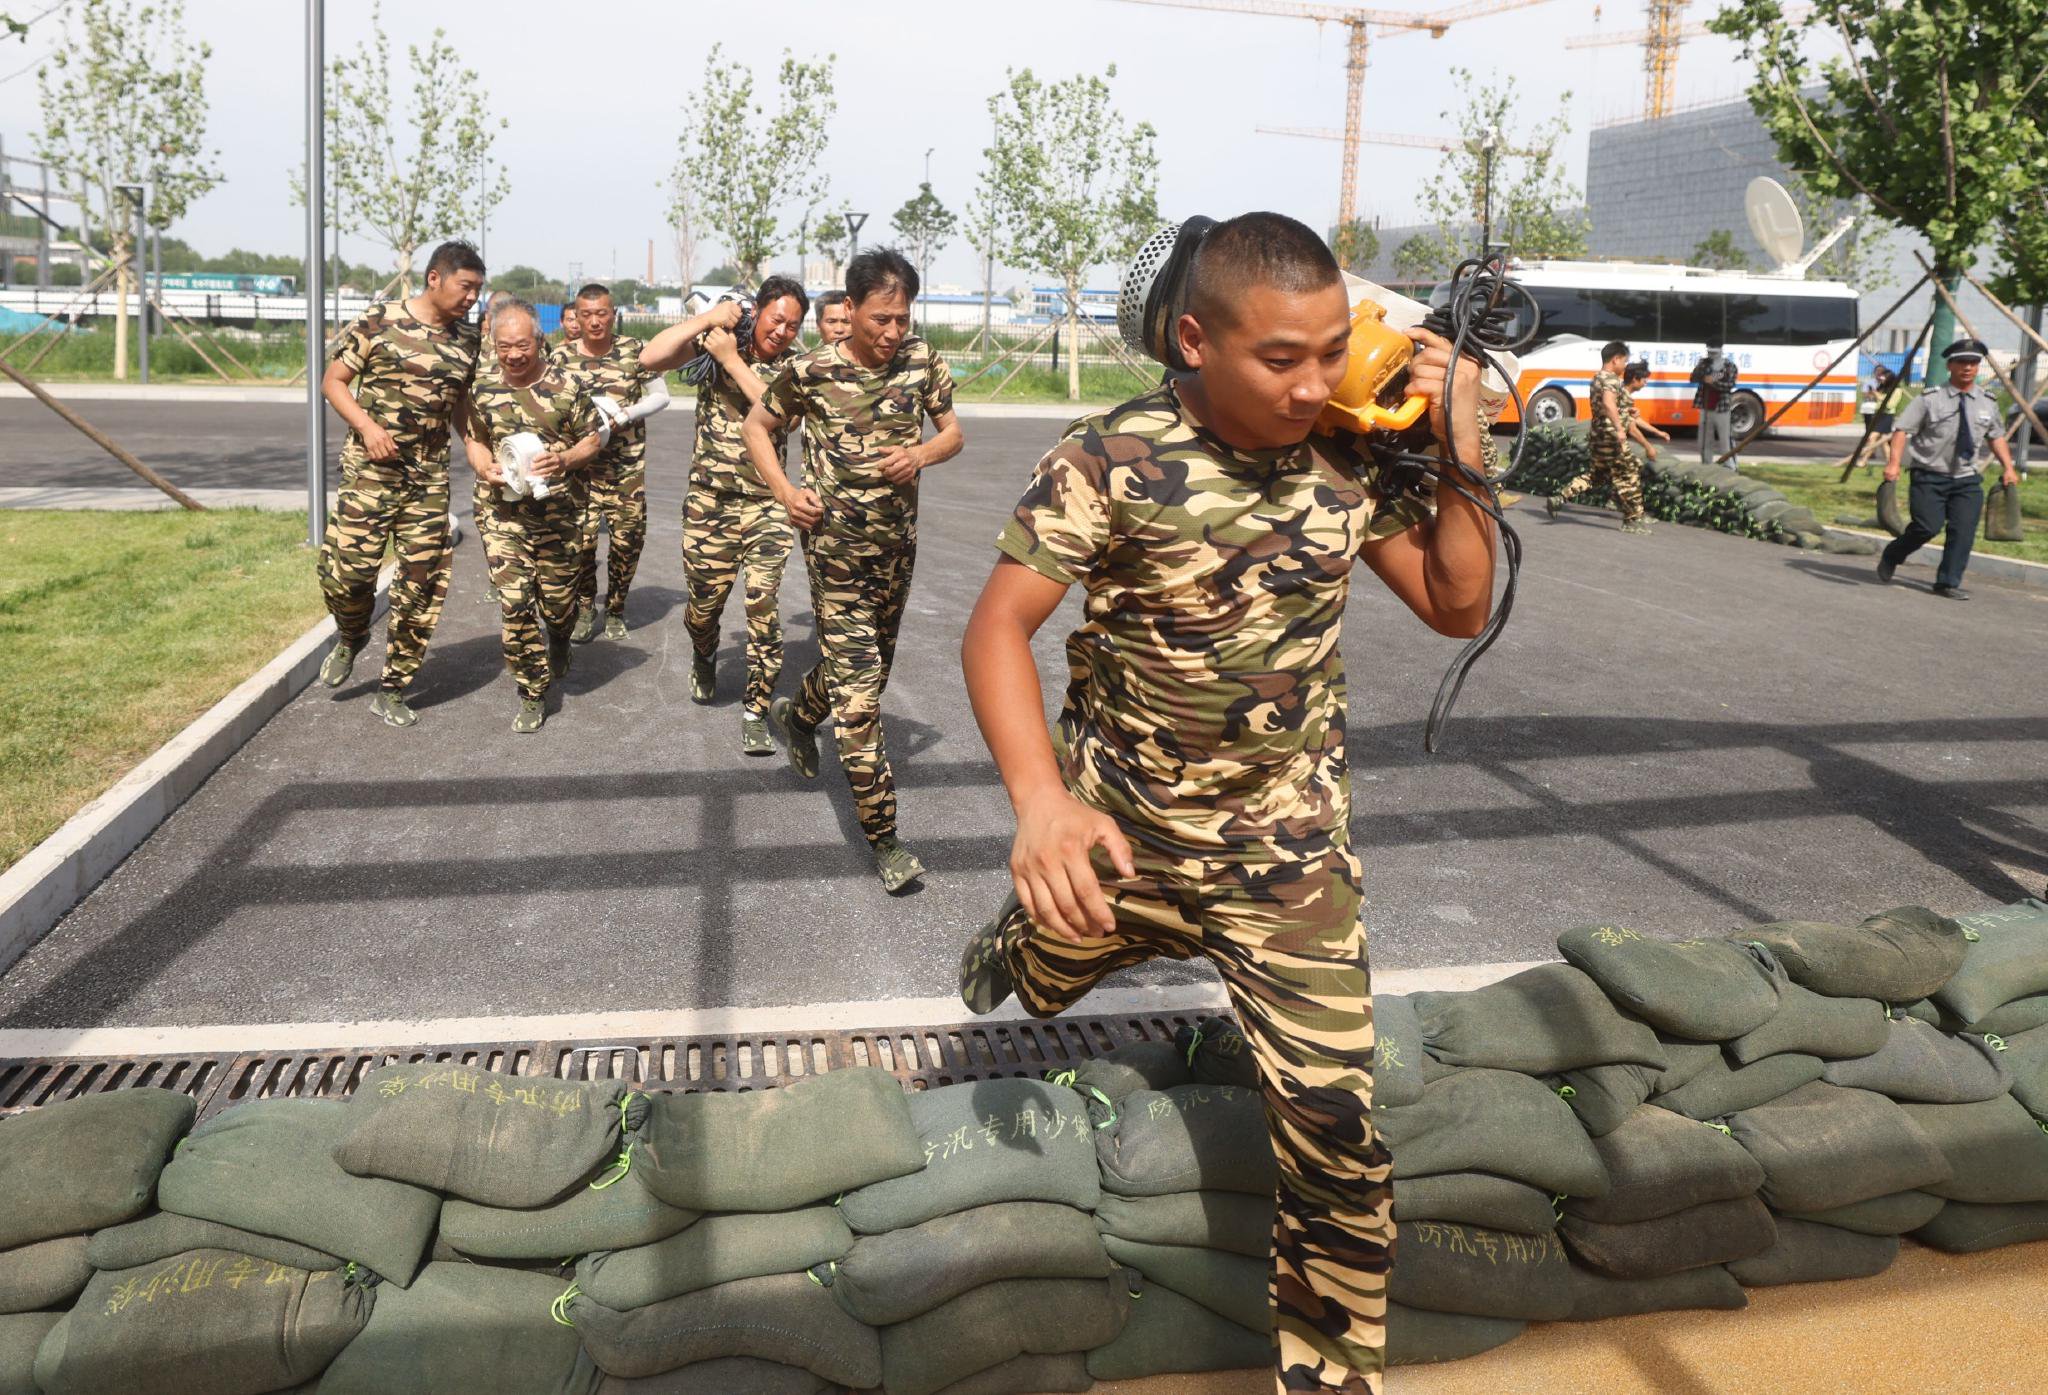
(1646, 1125)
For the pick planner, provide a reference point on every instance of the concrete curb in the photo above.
(2017, 570)
(59, 872)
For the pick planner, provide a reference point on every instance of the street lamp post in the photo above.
(1489, 146)
(853, 222)
(316, 267)
(924, 250)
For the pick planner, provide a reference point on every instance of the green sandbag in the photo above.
(21, 1334)
(1417, 1337)
(1496, 1121)
(1603, 1096)
(1923, 1065)
(1142, 1065)
(1714, 1233)
(1702, 990)
(1894, 956)
(207, 1323)
(2007, 960)
(1964, 1228)
(2004, 520)
(1228, 1285)
(904, 1274)
(1167, 1334)
(1188, 1138)
(1660, 1163)
(163, 1234)
(268, 1166)
(2026, 1061)
(1474, 1198)
(994, 1323)
(1895, 1214)
(612, 1211)
(464, 1327)
(46, 1274)
(1596, 1296)
(1997, 1152)
(1808, 1024)
(1217, 1054)
(775, 1150)
(1396, 1051)
(491, 1138)
(1483, 1273)
(1721, 1089)
(1229, 1221)
(1811, 1254)
(1823, 1146)
(2007, 1019)
(1543, 1020)
(70, 1168)
(1890, 516)
(1029, 1374)
(734, 1375)
(716, 1250)
(787, 1318)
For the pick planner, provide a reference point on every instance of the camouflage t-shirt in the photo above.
(410, 377)
(853, 417)
(554, 406)
(1601, 435)
(616, 374)
(1205, 696)
(720, 459)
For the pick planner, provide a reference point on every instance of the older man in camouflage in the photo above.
(1196, 799)
(1613, 463)
(399, 379)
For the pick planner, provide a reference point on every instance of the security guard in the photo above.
(1946, 432)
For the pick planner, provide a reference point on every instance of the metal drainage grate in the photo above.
(921, 1057)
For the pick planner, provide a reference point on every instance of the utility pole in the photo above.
(924, 253)
(316, 267)
(1489, 146)
(853, 222)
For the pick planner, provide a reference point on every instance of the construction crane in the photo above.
(1382, 138)
(1660, 43)
(1356, 22)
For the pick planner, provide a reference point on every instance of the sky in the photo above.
(593, 135)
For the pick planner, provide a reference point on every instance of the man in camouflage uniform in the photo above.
(1195, 799)
(862, 403)
(410, 363)
(1634, 379)
(835, 319)
(482, 495)
(1613, 464)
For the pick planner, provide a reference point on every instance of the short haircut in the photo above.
(451, 257)
(1714, 341)
(1613, 348)
(594, 290)
(498, 301)
(512, 305)
(1639, 369)
(776, 287)
(828, 299)
(880, 269)
(1256, 249)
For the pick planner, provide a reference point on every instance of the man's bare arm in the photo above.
(758, 431)
(677, 345)
(901, 466)
(377, 442)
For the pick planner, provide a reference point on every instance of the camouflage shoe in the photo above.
(798, 739)
(615, 627)
(586, 624)
(390, 708)
(984, 972)
(703, 678)
(896, 865)
(334, 669)
(754, 738)
(532, 713)
(1553, 505)
(1638, 526)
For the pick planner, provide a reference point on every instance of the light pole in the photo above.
(1489, 146)
(853, 222)
(924, 248)
(316, 268)
(138, 249)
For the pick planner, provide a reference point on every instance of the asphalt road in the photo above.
(1686, 733)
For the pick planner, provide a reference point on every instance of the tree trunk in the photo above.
(121, 309)
(405, 271)
(1944, 324)
(1073, 339)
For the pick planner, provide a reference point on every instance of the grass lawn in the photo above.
(1813, 484)
(116, 629)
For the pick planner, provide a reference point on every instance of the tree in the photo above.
(1357, 246)
(683, 225)
(119, 72)
(925, 225)
(832, 237)
(12, 28)
(2023, 246)
(1857, 257)
(1419, 258)
(443, 181)
(1071, 185)
(1718, 250)
(740, 168)
(725, 274)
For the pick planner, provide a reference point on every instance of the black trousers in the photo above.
(1941, 502)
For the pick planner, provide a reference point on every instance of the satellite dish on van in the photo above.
(1774, 220)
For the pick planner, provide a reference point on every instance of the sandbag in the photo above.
(1543, 1020)
(207, 1323)
(1494, 1121)
(1474, 1198)
(716, 1250)
(268, 1166)
(1922, 1065)
(1824, 1146)
(1890, 516)
(2006, 1020)
(1483, 1273)
(2026, 1062)
(733, 1375)
(1230, 1221)
(21, 1335)
(1417, 1337)
(1895, 1214)
(1142, 1065)
(1603, 1096)
(997, 1322)
(984, 1142)
(1396, 1051)
(904, 1274)
(1806, 1253)
(1217, 1053)
(1596, 1296)
(1702, 990)
(1716, 1232)
(464, 1327)
(1168, 1334)
(1996, 1151)
(46, 1274)
(70, 1168)
(1721, 1089)
(1029, 1374)
(612, 1211)
(1188, 1138)
(785, 1318)
(1660, 1163)
(1811, 1025)
(1964, 1228)
(1231, 1286)
(2004, 521)
(163, 1234)
(488, 1137)
(1894, 956)
(775, 1150)
(2007, 960)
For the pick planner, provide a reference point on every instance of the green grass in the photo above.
(117, 629)
(88, 356)
(1814, 485)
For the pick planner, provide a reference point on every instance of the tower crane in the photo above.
(1660, 43)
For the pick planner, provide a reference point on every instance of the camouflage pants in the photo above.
(1619, 469)
(486, 499)
(727, 537)
(404, 506)
(533, 548)
(858, 592)
(1287, 939)
(617, 502)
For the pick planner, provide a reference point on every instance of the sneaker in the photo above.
(615, 627)
(334, 669)
(798, 739)
(1553, 505)
(984, 973)
(703, 678)
(896, 865)
(1639, 526)
(390, 708)
(754, 738)
(586, 624)
(532, 712)
(560, 656)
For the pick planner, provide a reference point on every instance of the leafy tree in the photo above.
(120, 71)
(1420, 258)
(739, 168)
(1071, 184)
(2023, 246)
(832, 238)
(683, 225)
(1357, 246)
(12, 28)
(1718, 250)
(925, 225)
(1857, 257)
(725, 274)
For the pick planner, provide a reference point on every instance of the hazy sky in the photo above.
(593, 91)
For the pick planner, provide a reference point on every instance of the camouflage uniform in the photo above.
(535, 545)
(410, 378)
(861, 554)
(618, 481)
(484, 496)
(733, 527)
(1205, 714)
(1613, 463)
